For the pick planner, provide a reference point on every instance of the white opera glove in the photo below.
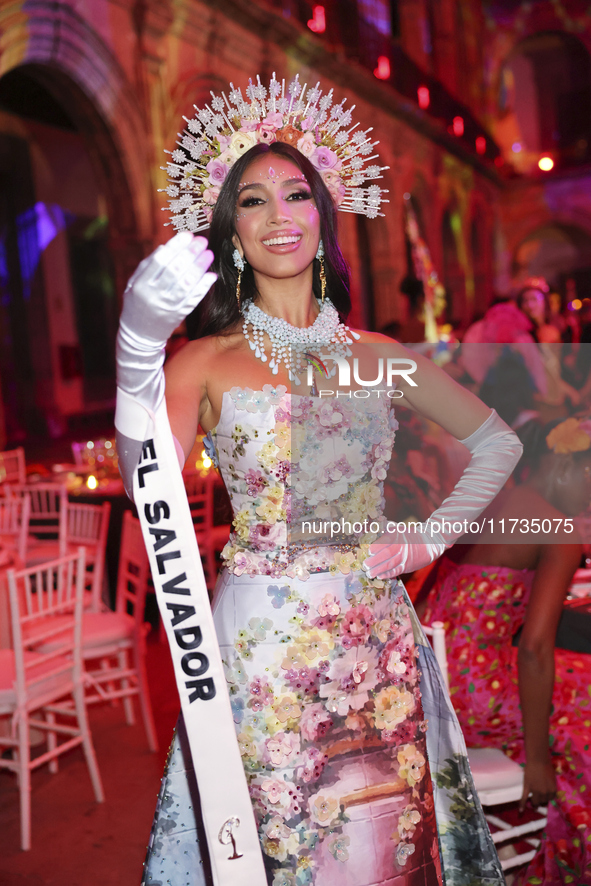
(164, 289)
(495, 449)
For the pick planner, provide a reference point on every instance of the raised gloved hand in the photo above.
(166, 287)
(495, 449)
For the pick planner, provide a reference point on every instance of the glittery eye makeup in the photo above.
(256, 194)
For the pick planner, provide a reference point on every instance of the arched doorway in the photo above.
(67, 243)
(545, 100)
(559, 253)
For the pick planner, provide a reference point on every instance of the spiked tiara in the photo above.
(228, 127)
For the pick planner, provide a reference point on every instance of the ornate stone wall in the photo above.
(127, 70)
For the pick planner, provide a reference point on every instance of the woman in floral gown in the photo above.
(530, 699)
(355, 764)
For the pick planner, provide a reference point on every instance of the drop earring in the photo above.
(240, 265)
(320, 257)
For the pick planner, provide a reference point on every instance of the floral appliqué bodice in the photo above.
(291, 461)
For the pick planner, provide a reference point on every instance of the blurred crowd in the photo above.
(528, 356)
(517, 653)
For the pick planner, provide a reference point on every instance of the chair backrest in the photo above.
(46, 617)
(49, 510)
(13, 466)
(88, 524)
(436, 634)
(14, 522)
(134, 567)
(200, 491)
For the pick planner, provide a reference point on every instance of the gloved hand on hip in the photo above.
(495, 450)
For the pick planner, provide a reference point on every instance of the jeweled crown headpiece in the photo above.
(225, 129)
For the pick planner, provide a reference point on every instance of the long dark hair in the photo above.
(533, 434)
(520, 299)
(220, 307)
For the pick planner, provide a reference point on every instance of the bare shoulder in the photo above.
(378, 338)
(203, 353)
(200, 349)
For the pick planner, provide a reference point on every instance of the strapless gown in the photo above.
(354, 759)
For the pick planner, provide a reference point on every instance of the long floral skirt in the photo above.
(356, 766)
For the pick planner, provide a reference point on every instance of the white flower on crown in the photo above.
(241, 142)
(230, 126)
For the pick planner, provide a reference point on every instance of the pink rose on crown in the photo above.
(267, 128)
(307, 144)
(210, 196)
(248, 125)
(323, 158)
(334, 185)
(266, 133)
(274, 119)
(307, 123)
(217, 172)
(223, 141)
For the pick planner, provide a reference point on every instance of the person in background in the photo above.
(531, 700)
(560, 396)
(567, 322)
(533, 300)
(503, 329)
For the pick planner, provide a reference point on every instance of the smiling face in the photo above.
(277, 222)
(533, 303)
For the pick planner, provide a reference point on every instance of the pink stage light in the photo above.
(382, 72)
(318, 21)
(458, 126)
(481, 145)
(424, 97)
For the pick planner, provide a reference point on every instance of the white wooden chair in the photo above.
(497, 778)
(48, 520)
(210, 538)
(88, 525)
(13, 467)
(14, 524)
(114, 643)
(41, 678)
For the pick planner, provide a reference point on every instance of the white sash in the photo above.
(164, 513)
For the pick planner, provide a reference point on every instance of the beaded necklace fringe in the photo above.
(289, 344)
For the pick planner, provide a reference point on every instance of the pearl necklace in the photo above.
(289, 344)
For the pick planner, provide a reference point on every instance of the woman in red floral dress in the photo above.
(531, 700)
